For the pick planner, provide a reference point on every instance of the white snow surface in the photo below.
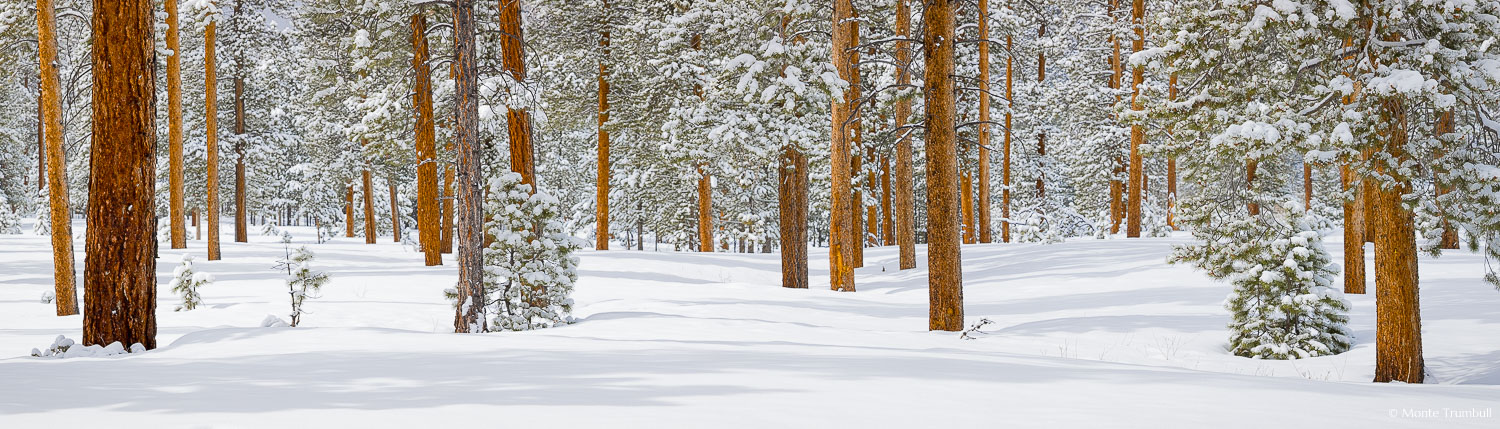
(1087, 333)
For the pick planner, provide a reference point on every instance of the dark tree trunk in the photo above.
(120, 276)
(469, 315)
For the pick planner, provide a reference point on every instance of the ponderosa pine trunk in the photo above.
(1354, 229)
(886, 222)
(945, 272)
(65, 286)
(906, 204)
(856, 145)
(984, 123)
(1449, 239)
(518, 121)
(41, 142)
(368, 188)
(395, 211)
(120, 247)
(792, 196)
(705, 210)
(175, 192)
(966, 204)
(601, 188)
(469, 313)
(211, 117)
(1171, 163)
(349, 210)
(1117, 76)
(1041, 136)
(1398, 319)
(841, 241)
(1005, 160)
(448, 200)
(1250, 167)
(1137, 131)
(426, 145)
(241, 230)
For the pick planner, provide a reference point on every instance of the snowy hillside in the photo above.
(1085, 334)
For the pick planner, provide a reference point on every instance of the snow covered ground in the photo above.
(1087, 333)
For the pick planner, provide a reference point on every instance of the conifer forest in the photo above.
(750, 213)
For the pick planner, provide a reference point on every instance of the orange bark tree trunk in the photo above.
(792, 195)
(841, 234)
(211, 117)
(906, 206)
(241, 232)
(1354, 231)
(1450, 233)
(174, 132)
(368, 186)
(120, 276)
(984, 123)
(887, 223)
(1398, 319)
(705, 211)
(856, 145)
(945, 272)
(427, 190)
(349, 210)
(518, 122)
(1005, 163)
(601, 197)
(395, 212)
(60, 215)
(966, 201)
(448, 199)
(1137, 131)
(1117, 75)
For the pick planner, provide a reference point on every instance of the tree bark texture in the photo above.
(469, 313)
(984, 124)
(1137, 130)
(945, 274)
(175, 192)
(841, 241)
(427, 188)
(65, 286)
(906, 205)
(1398, 319)
(211, 117)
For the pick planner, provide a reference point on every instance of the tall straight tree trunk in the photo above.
(1450, 233)
(856, 144)
(241, 232)
(1354, 229)
(448, 200)
(906, 205)
(395, 212)
(1137, 131)
(792, 195)
(705, 211)
(120, 247)
(349, 210)
(1117, 75)
(469, 313)
(601, 197)
(427, 189)
(945, 271)
(174, 131)
(211, 116)
(841, 243)
(41, 141)
(984, 122)
(1398, 319)
(368, 186)
(1307, 185)
(887, 223)
(518, 122)
(1041, 137)
(1172, 163)
(60, 214)
(1005, 163)
(966, 201)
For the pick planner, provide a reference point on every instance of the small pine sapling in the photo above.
(530, 268)
(302, 281)
(1285, 304)
(10, 222)
(186, 281)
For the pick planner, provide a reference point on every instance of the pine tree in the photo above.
(530, 267)
(186, 281)
(57, 182)
(945, 275)
(120, 277)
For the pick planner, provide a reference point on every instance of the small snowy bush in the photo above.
(43, 225)
(530, 268)
(1285, 304)
(186, 281)
(302, 281)
(10, 222)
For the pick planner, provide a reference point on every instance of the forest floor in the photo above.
(1087, 333)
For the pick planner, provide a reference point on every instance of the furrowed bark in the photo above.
(1137, 131)
(469, 313)
(211, 116)
(601, 197)
(174, 131)
(906, 206)
(945, 276)
(840, 238)
(65, 286)
(120, 243)
(984, 123)
(1398, 319)
(426, 146)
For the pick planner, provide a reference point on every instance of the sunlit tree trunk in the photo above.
(601, 197)
(518, 121)
(1116, 188)
(1354, 241)
(945, 273)
(966, 201)
(1041, 137)
(469, 312)
(841, 234)
(887, 223)
(349, 210)
(368, 187)
(1250, 167)
(395, 212)
(1172, 164)
(1137, 131)
(241, 233)
(174, 131)
(211, 116)
(856, 145)
(792, 195)
(1398, 320)
(120, 243)
(426, 146)
(61, 215)
(1005, 163)
(906, 205)
(448, 199)
(1450, 233)
(984, 122)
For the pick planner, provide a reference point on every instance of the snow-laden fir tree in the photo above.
(10, 222)
(302, 280)
(1286, 303)
(186, 281)
(529, 268)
